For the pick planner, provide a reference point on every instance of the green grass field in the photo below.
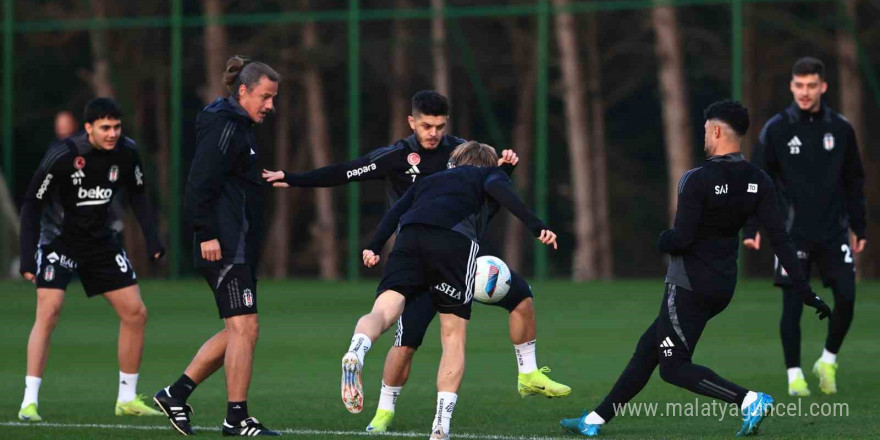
(586, 334)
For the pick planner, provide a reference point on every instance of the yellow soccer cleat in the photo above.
(29, 414)
(381, 421)
(798, 388)
(827, 374)
(537, 382)
(136, 407)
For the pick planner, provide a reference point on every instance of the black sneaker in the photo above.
(177, 411)
(249, 427)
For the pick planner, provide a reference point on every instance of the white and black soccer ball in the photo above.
(492, 280)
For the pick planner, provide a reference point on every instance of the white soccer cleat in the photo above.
(438, 434)
(352, 386)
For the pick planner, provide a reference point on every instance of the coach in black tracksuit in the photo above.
(714, 202)
(810, 151)
(224, 203)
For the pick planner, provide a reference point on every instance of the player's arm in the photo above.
(215, 156)
(143, 210)
(375, 165)
(687, 215)
(770, 218)
(853, 184)
(387, 226)
(765, 158)
(40, 189)
(499, 187)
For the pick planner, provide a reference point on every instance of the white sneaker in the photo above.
(352, 386)
(438, 434)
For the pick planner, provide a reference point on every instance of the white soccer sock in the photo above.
(31, 390)
(828, 357)
(388, 397)
(594, 419)
(750, 398)
(360, 345)
(127, 387)
(445, 406)
(525, 357)
(794, 374)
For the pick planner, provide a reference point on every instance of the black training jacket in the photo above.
(714, 202)
(814, 161)
(462, 199)
(70, 194)
(400, 164)
(224, 190)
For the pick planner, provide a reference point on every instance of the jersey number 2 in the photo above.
(847, 254)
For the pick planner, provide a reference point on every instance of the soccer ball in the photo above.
(492, 280)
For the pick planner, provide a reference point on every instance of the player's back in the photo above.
(718, 197)
(453, 199)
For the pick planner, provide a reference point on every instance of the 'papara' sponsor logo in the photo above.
(94, 196)
(359, 171)
(44, 186)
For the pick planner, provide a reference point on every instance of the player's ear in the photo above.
(823, 87)
(88, 127)
(412, 122)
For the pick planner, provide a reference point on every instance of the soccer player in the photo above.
(401, 164)
(64, 230)
(441, 219)
(811, 153)
(224, 202)
(714, 202)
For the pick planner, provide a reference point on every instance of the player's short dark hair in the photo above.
(100, 108)
(431, 103)
(731, 113)
(808, 66)
(475, 154)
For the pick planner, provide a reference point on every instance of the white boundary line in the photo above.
(284, 431)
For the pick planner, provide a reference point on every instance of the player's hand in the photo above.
(508, 156)
(276, 178)
(856, 244)
(822, 309)
(211, 250)
(370, 258)
(753, 243)
(30, 277)
(548, 237)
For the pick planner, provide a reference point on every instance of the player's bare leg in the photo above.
(209, 358)
(49, 303)
(453, 334)
(386, 309)
(521, 322)
(398, 363)
(242, 333)
(132, 319)
(523, 332)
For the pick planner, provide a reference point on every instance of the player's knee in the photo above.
(47, 317)
(526, 308)
(135, 315)
(670, 370)
(244, 327)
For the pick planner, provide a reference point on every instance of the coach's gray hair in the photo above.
(241, 70)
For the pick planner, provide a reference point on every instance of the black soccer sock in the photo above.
(842, 315)
(701, 380)
(634, 377)
(790, 327)
(182, 388)
(236, 412)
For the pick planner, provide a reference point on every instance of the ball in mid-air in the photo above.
(492, 280)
